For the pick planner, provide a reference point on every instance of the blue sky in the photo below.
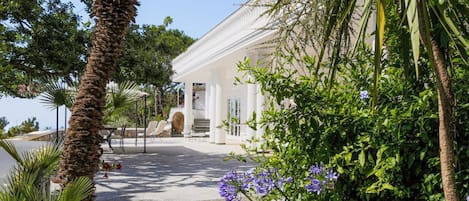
(194, 17)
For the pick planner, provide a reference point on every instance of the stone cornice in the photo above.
(241, 29)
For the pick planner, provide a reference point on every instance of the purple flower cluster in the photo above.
(320, 179)
(267, 180)
(262, 182)
(364, 95)
(229, 186)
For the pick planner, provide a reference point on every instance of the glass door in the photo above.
(234, 116)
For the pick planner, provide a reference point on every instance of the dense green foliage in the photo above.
(389, 153)
(320, 107)
(146, 60)
(3, 123)
(148, 52)
(38, 38)
(26, 126)
(43, 38)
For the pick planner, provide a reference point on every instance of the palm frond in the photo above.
(27, 178)
(77, 190)
(363, 25)
(54, 93)
(413, 22)
(449, 19)
(121, 95)
(379, 38)
(11, 150)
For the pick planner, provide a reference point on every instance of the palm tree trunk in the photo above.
(446, 102)
(82, 144)
(446, 129)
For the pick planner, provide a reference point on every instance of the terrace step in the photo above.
(201, 126)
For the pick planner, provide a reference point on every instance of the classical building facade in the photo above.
(212, 62)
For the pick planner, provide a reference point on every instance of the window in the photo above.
(234, 116)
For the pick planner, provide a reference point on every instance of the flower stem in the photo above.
(247, 196)
(281, 192)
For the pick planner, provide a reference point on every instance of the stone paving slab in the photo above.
(173, 169)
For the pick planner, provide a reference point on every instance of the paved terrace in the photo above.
(173, 169)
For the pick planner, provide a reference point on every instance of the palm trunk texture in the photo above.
(446, 123)
(82, 143)
(446, 104)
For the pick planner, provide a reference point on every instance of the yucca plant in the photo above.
(29, 178)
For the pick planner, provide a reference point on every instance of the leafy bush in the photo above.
(389, 152)
(26, 126)
(3, 123)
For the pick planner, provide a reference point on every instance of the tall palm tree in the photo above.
(82, 143)
(326, 25)
(54, 94)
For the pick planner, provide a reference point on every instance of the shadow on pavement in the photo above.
(166, 173)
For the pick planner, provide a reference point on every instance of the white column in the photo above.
(187, 109)
(212, 110)
(250, 109)
(259, 109)
(207, 100)
(220, 105)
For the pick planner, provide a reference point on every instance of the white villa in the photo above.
(212, 62)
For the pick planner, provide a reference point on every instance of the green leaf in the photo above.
(388, 186)
(348, 157)
(361, 158)
(412, 19)
(380, 152)
(77, 190)
(363, 24)
(422, 154)
(11, 149)
(372, 188)
(380, 22)
(454, 31)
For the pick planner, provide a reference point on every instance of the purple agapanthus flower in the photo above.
(364, 95)
(316, 169)
(264, 182)
(320, 179)
(282, 181)
(315, 186)
(228, 191)
(331, 175)
(229, 186)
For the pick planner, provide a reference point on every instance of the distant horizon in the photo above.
(194, 18)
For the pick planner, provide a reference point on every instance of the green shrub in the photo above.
(389, 153)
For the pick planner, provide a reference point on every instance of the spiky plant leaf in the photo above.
(379, 38)
(28, 177)
(11, 150)
(77, 190)
(412, 19)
